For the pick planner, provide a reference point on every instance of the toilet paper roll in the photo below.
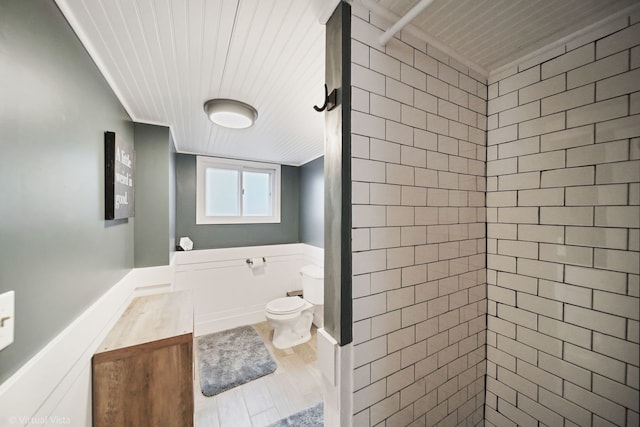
(256, 262)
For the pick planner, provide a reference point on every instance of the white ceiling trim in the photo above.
(375, 8)
(250, 158)
(86, 42)
(566, 40)
(93, 53)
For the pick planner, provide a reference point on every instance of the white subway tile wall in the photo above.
(419, 244)
(562, 223)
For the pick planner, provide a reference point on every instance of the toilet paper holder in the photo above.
(249, 261)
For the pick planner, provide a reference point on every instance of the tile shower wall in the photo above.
(563, 238)
(419, 278)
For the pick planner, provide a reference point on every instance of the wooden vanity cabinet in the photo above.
(143, 371)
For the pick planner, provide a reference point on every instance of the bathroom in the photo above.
(488, 238)
(235, 270)
(114, 261)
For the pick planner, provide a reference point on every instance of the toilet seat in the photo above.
(286, 305)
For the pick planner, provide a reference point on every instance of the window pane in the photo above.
(222, 192)
(256, 198)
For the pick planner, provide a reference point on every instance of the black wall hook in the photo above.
(329, 100)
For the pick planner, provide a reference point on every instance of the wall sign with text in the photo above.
(119, 177)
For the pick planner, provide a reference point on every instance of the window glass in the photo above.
(222, 192)
(256, 194)
(237, 191)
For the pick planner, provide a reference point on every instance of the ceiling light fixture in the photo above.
(230, 113)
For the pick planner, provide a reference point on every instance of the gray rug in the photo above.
(310, 417)
(231, 358)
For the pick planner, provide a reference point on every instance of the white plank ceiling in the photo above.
(492, 33)
(165, 58)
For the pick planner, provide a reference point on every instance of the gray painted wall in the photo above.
(232, 235)
(172, 196)
(152, 227)
(312, 203)
(57, 252)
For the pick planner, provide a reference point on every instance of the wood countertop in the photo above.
(149, 319)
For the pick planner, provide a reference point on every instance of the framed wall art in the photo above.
(119, 177)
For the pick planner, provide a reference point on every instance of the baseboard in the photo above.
(54, 386)
(217, 322)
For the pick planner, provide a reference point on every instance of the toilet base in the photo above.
(281, 342)
(291, 330)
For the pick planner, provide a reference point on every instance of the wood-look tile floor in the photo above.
(294, 386)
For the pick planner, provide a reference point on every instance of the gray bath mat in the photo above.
(231, 358)
(310, 417)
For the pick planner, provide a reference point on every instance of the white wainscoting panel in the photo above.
(54, 386)
(228, 293)
(336, 365)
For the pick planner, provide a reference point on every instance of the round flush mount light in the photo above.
(230, 113)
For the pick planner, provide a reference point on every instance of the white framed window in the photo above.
(236, 191)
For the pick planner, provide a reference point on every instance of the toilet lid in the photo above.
(285, 305)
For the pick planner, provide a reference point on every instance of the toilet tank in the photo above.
(313, 284)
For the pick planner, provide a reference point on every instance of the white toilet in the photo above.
(291, 317)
